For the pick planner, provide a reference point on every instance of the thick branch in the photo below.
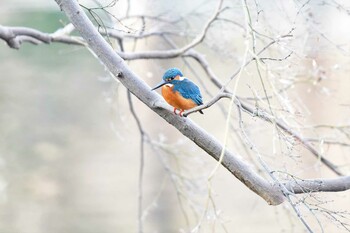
(141, 90)
(319, 185)
(14, 36)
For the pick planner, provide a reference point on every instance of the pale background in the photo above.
(69, 147)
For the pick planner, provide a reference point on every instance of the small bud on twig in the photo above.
(120, 75)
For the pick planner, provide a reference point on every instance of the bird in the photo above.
(179, 91)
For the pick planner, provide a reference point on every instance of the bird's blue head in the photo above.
(169, 76)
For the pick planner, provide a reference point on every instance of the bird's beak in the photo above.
(159, 85)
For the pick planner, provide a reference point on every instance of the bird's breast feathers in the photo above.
(182, 94)
(175, 99)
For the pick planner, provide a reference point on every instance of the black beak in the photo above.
(159, 85)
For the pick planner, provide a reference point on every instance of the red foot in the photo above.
(181, 113)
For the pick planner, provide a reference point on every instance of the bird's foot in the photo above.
(180, 112)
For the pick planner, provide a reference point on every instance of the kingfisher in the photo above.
(179, 92)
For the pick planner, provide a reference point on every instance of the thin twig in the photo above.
(15, 36)
(142, 158)
(175, 52)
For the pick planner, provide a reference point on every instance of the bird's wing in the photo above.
(189, 90)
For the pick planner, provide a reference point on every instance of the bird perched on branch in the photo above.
(179, 92)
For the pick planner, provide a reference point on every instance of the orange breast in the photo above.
(176, 100)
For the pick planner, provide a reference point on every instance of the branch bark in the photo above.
(271, 193)
(141, 90)
(232, 162)
(318, 185)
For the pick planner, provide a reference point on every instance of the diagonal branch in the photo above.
(141, 90)
(233, 163)
(14, 36)
(262, 114)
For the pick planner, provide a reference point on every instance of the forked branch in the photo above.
(240, 169)
(270, 192)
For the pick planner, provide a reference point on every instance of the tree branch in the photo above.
(318, 185)
(141, 90)
(208, 104)
(262, 114)
(15, 36)
(174, 52)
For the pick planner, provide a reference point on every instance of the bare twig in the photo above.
(135, 85)
(175, 52)
(15, 36)
(262, 114)
(208, 104)
(142, 159)
(327, 141)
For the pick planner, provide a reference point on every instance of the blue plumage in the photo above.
(172, 73)
(185, 87)
(188, 90)
(178, 84)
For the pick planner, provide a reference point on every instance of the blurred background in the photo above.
(70, 148)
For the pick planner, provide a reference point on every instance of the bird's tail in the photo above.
(201, 112)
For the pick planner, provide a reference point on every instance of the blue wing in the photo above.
(189, 90)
